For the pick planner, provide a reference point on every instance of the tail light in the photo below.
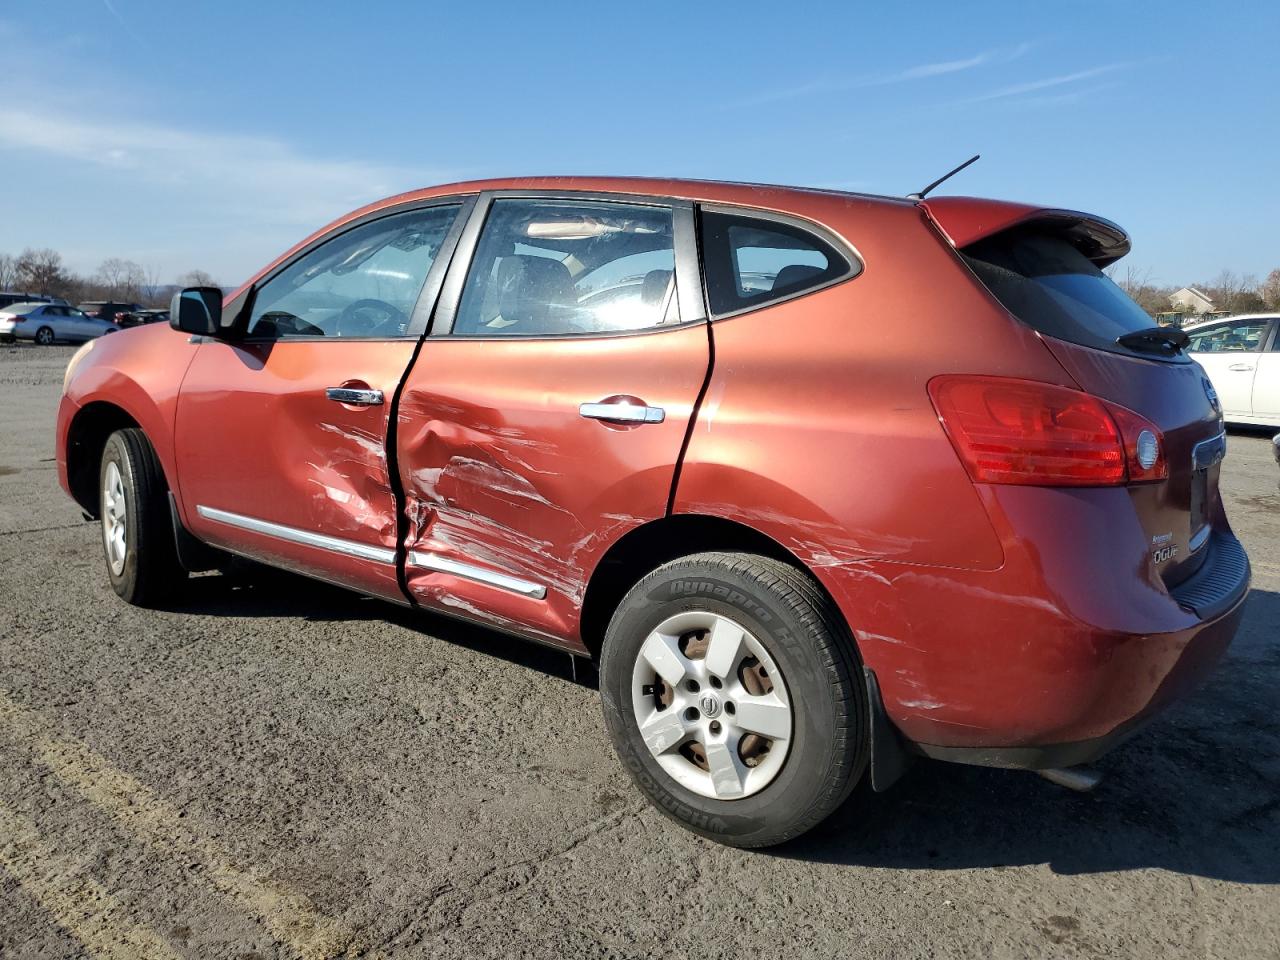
(1024, 431)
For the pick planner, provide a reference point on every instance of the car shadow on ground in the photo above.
(259, 591)
(1198, 792)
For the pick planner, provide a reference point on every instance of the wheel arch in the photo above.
(86, 437)
(659, 541)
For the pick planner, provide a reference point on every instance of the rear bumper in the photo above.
(1054, 658)
(1187, 657)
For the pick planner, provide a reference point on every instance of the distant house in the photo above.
(1191, 300)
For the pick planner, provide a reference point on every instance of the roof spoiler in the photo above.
(966, 220)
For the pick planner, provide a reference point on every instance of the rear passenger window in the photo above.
(1229, 338)
(753, 260)
(557, 267)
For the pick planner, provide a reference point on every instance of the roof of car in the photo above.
(963, 219)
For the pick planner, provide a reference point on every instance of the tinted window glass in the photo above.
(362, 283)
(1051, 286)
(554, 267)
(752, 260)
(1228, 338)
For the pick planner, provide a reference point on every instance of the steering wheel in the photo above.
(370, 318)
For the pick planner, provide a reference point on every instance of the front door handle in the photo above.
(622, 410)
(1241, 366)
(355, 397)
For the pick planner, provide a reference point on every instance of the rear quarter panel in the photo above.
(817, 428)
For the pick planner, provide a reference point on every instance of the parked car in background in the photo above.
(138, 318)
(8, 297)
(47, 323)
(1241, 355)
(108, 309)
(822, 481)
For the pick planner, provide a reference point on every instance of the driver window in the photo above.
(362, 283)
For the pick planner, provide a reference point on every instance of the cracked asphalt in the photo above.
(274, 768)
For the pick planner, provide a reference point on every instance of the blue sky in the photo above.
(216, 137)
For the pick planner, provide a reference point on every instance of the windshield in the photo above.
(1051, 286)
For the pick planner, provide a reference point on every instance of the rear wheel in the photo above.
(137, 532)
(44, 336)
(732, 695)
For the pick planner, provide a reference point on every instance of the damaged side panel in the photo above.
(272, 447)
(513, 491)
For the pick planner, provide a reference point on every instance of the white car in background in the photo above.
(1241, 355)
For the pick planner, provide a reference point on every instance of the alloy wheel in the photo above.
(114, 512)
(711, 705)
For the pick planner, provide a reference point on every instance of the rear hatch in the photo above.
(1044, 266)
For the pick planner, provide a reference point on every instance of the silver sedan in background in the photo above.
(47, 323)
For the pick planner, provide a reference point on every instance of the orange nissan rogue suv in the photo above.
(822, 481)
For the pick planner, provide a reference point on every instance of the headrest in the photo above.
(793, 274)
(653, 290)
(535, 294)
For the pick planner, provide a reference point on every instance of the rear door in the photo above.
(281, 434)
(1229, 353)
(545, 414)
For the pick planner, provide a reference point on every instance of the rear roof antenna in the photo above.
(943, 179)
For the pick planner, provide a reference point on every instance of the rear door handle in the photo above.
(354, 397)
(622, 411)
(1241, 366)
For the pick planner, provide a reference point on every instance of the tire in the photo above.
(137, 532)
(794, 648)
(44, 336)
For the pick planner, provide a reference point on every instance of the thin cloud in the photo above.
(922, 71)
(268, 176)
(111, 9)
(1018, 89)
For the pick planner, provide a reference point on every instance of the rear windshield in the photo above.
(1051, 286)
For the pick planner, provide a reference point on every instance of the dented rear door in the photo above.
(545, 414)
(281, 432)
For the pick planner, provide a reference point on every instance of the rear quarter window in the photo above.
(751, 260)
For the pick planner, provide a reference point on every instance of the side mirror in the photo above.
(197, 310)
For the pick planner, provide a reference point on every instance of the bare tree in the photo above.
(1269, 290)
(196, 278)
(1235, 293)
(41, 271)
(151, 285)
(122, 279)
(8, 271)
(1137, 284)
(111, 272)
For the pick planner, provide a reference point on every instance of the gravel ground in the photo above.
(279, 769)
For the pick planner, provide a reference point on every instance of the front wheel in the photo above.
(731, 693)
(137, 532)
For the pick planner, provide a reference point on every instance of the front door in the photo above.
(546, 412)
(281, 432)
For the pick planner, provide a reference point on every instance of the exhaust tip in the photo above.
(1079, 779)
